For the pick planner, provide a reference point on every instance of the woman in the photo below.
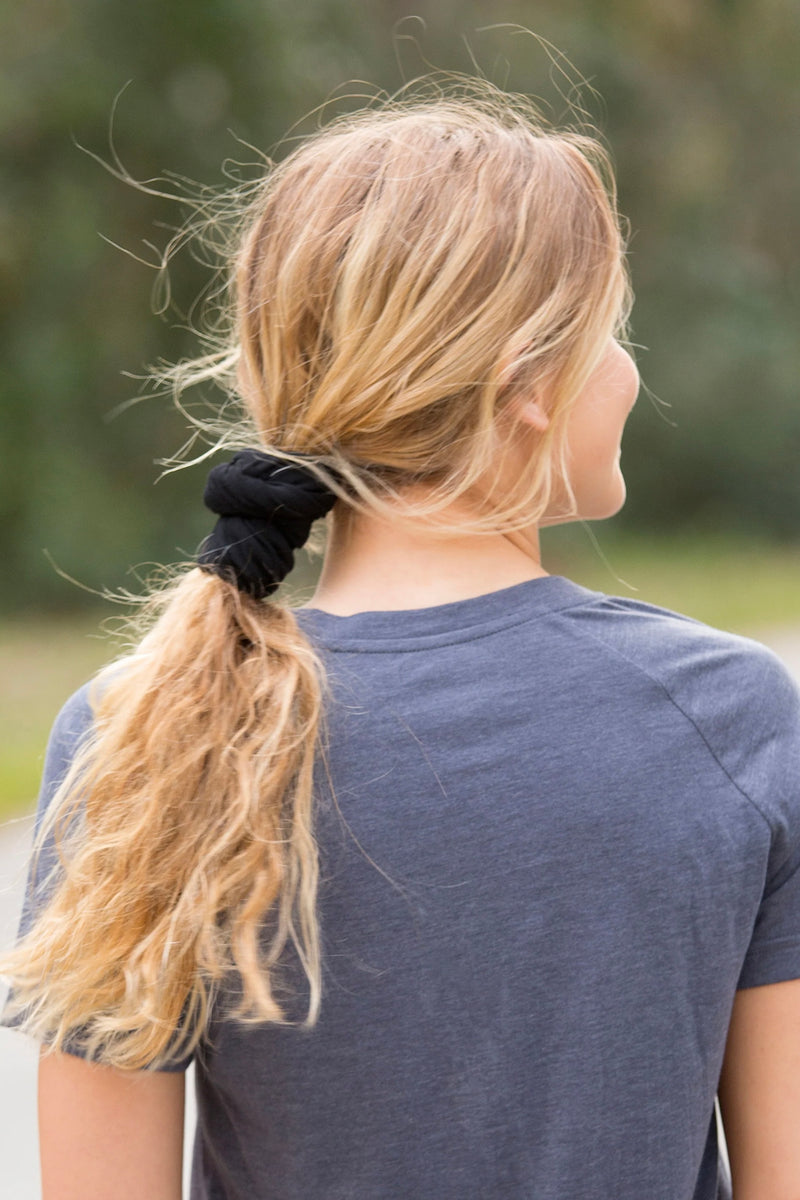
(460, 881)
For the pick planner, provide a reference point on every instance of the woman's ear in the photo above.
(532, 413)
(527, 408)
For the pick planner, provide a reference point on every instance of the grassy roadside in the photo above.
(42, 661)
(744, 588)
(741, 586)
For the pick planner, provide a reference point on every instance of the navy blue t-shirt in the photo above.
(566, 828)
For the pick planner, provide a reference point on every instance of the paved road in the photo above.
(19, 1176)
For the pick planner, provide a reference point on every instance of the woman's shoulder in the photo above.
(677, 649)
(75, 719)
(72, 723)
(738, 694)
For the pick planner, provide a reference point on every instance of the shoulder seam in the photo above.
(663, 687)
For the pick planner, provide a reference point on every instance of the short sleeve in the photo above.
(72, 727)
(767, 768)
(774, 952)
(746, 707)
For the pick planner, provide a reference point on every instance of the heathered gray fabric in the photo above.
(566, 828)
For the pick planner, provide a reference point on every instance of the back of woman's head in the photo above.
(406, 271)
(401, 277)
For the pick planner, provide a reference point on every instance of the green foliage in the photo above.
(699, 102)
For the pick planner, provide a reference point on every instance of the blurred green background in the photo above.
(700, 101)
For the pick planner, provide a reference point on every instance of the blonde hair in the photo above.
(400, 277)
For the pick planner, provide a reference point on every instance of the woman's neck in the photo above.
(373, 565)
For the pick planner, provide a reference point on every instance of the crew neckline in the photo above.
(457, 620)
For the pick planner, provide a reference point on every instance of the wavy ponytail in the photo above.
(399, 277)
(191, 816)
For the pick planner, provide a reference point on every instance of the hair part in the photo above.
(399, 279)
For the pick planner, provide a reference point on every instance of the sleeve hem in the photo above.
(178, 1067)
(773, 962)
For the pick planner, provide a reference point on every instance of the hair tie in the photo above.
(266, 507)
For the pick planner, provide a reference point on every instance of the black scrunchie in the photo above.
(266, 508)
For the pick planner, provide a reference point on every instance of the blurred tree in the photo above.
(700, 104)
